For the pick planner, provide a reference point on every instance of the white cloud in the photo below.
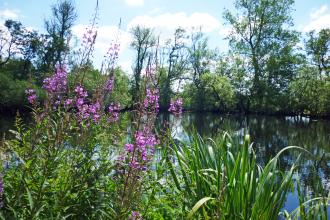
(316, 13)
(319, 19)
(155, 11)
(105, 36)
(171, 21)
(126, 65)
(134, 2)
(165, 24)
(9, 14)
(318, 24)
(225, 31)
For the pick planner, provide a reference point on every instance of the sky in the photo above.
(162, 15)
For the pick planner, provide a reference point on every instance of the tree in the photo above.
(309, 94)
(19, 43)
(58, 34)
(29, 48)
(200, 58)
(318, 47)
(234, 67)
(219, 93)
(177, 60)
(258, 31)
(9, 39)
(143, 41)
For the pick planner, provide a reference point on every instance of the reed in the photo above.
(220, 180)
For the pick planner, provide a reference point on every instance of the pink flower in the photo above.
(151, 100)
(56, 83)
(114, 112)
(79, 102)
(135, 216)
(32, 97)
(141, 152)
(81, 92)
(129, 148)
(68, 102)
(109, 85)
(176, 106)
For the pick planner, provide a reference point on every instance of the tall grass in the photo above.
(220, 180)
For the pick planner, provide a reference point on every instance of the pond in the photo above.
(269, 134)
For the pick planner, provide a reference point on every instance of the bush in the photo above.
(215, 94)
(12, 92)
(310, 94)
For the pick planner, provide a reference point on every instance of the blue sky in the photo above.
(162, 15)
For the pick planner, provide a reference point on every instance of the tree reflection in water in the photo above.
(270, 134)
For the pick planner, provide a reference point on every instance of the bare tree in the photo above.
(177, 55)
(59, 32)
(143, 41)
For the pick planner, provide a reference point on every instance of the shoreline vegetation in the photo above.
(78, 159)
(26, 111)
(271, 75)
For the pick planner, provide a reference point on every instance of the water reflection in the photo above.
(270, 134)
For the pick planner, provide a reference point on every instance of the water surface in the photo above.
(269, 135)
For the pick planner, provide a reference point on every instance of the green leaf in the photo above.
(30, 198)
(198, 205)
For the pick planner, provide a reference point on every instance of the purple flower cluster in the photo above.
(151, 100)
(109, 85)
(145, 142)
(89, 36)
(135, 216)
(91, 111)
(94, 111)
(81, 93)
(140, 153)
(87, 44)
(68, 102)
(113, 112)
(86, 111)
(176, 106)
(56, 84)
(32, 96)
(112, 54)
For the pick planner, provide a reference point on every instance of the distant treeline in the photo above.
(270, 68)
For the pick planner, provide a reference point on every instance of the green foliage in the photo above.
(142, 43)
(216, 91)
(219, 93)
(222, 180)
(309, 94)
(12, 92)
(55, 172)
(58, 29)
(259, 37)
(318, 48)
(13, 86)
(121, 91)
